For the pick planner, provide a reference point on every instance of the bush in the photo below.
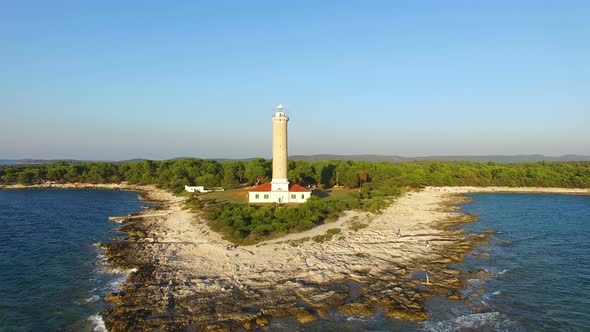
(356, 226)
(322, 238)
(333, 231)
(258, 223)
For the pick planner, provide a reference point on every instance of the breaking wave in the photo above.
(493, 321)
(97, 323)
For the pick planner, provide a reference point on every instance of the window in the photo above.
(302, 196)
(257, 196)
(293, 196)
(265, 196)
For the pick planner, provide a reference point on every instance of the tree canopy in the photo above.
(175, 174)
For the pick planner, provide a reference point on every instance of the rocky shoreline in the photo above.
(162, 294)
(184, 278)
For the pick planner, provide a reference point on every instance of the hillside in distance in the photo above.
(367, 157)
(473, 158)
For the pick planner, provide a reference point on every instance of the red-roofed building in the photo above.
(264, 194)
(279, 190)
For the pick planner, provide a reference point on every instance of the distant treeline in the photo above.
(175, 174)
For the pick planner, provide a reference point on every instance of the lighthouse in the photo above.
(279, 150)
(279, 190)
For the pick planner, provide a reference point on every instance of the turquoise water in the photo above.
(537, 276)
(51, 275)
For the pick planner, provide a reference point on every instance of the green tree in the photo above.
(10, 175)
(348, 177)
(301, 172)
(231, 174)
(28, 177)
(257, 170)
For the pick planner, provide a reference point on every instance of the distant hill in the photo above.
(483, 158)
(34, 161)
(367, 157)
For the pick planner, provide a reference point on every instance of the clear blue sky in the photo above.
(126, 79)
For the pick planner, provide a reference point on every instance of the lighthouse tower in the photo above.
(279, 150)
(279, 190)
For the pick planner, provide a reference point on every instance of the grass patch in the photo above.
(234, 196)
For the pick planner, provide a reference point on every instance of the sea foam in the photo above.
(493, 321)
(97, 323)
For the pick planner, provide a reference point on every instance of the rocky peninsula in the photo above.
(184, 276)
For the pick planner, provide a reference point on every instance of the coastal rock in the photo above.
(451, 271)
(261, 321)
(250, 325)
(454, 295)
(302, 315)
(357, 309)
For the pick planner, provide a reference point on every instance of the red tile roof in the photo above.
(262, 187)
(267, 187)
(297, 188)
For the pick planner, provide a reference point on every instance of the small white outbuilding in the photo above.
(193, 189)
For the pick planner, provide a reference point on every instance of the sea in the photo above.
(52, 271)
(533, 275)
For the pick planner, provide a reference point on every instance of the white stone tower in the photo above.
(279, 150)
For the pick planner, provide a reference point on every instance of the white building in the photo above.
(279, 190)
(193, 189)
(265, 194)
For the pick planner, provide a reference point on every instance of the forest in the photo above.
(175, 174)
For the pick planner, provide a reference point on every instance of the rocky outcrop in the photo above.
(369, 271)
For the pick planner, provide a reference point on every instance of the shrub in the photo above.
(356, 225)
(333, 231)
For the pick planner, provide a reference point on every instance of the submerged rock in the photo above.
(261, 321)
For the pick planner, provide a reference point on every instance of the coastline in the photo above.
(188, 278)
(185, 276)
(515, 190)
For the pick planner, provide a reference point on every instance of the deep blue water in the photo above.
(539, 260)
(51, 275)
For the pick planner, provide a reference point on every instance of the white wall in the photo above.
(192, 189)
(273, 197)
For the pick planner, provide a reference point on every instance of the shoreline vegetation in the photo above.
(247, 224)
(183, 275)
(173, 175)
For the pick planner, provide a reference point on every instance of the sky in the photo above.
(115, 80)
